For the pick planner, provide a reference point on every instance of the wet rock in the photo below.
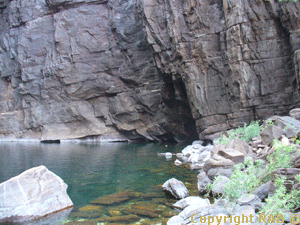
(176, 188)
(270, 133)
(168, 155)
(114, 212)
(85, 222)
(87, 214)
(112, 199)
(90, 208)
(32, 194)
(117, 219)
(144, 209)
(177, 162)
(202, 181)
(191, 200)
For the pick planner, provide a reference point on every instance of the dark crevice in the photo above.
(175, 98)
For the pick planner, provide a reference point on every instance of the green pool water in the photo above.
(94, 170)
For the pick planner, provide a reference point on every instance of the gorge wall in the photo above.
(144, 69)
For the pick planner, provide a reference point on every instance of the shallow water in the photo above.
(94, 170)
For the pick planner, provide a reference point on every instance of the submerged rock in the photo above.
(144, 209)
(32, 194)
(116, 219)
(113, 198)
(176, 188)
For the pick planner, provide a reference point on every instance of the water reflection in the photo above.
(93, 170)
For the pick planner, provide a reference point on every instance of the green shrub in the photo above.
(281, 200)
(251, 174)
(245, 133)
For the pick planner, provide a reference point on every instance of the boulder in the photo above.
(225, 171)
(270, 133)
(263, 190)
(177, 162)
(217, 161)
(291, 132)
(295, 113)
(191, 200)
(32, 194)
(251, 200)
(240, 145)
(176, 188)
(233, 155)
(285, 122)
(289, 174)
(212, 211)
(218, 188)
(203, 180)
(296, 159)
(246, 214)
(175, 220)
(113, 199)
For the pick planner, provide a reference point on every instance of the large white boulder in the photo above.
(32, 194)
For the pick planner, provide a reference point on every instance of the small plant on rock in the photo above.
(251, 174)
(281, 200)
(245, 133)
(244, 179)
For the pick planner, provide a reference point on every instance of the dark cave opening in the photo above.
(175, 98)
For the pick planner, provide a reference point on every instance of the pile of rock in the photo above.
(220, 159)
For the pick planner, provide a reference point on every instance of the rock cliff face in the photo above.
(144, 69)
(238, 59)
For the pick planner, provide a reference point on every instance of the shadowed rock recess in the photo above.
(144, 69)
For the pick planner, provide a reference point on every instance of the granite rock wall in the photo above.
(144, 69)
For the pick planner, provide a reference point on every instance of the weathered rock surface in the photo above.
(186, 215)
(91, 75)
(263, 191)
(202, 181)
(176, 188)
(235, 57)
(251, 200)
(191, 201)
(140, 69)
(218, 189)
(112, 199)
(270, 133)
(32, 194)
